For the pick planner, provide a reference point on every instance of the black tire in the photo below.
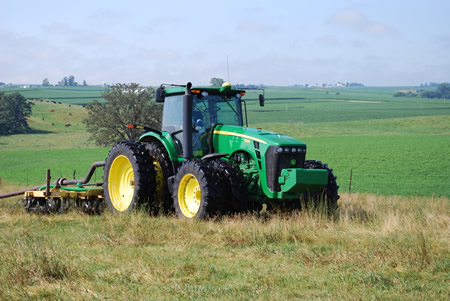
(163, 170)
(235, 192)
(129, 177)
(328, 196)
(197, 191)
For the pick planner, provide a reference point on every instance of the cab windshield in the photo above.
(207, 110)
(216, 109)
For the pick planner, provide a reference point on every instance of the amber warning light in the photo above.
(133, 126)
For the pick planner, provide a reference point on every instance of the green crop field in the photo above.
(390, 145)
(389, 240)
(68, 95)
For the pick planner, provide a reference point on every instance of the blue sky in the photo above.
(271, 42)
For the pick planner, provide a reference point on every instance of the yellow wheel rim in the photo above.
(189, 195)
(121, 183)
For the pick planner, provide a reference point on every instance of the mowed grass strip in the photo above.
(378, 248)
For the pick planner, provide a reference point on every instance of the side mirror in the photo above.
(160, 94)
(261, 100)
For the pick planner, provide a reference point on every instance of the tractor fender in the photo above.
(165, 139)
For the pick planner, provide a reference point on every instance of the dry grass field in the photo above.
(385, 248)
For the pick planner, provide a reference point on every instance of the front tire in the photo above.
(328, 196)
(129, 177)
(235, 192)
(197, 191)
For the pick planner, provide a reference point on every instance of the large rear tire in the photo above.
(129, 177)
(197, 191)
(163, 170)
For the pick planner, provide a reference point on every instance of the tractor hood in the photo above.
(258, 135)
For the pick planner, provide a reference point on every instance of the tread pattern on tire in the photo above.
(235, 193)
(330, 193)
(163, 199)
(144, 174)
(211, 184)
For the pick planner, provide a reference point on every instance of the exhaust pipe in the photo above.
(187, 122)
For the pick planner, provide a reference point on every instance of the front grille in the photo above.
(276, 161)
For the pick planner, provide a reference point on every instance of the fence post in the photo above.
(350, 184)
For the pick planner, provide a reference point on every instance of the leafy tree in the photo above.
(429, 94)
(124, 104)
(216, 81)
(45, 82)
(64, 81)
(84, 83)
(444, 90)
(71, 81)
(14, 111)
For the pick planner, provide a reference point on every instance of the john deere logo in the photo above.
(293, 162)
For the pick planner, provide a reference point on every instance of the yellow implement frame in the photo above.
(65, 194)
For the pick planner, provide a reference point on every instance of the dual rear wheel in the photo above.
(136, 176)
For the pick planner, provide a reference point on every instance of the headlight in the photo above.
(293, 150)
(287, 149)
(300, 150)
(279, 150)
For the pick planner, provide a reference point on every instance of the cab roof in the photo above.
(227, 90)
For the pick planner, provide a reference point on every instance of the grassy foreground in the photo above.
(378, 248)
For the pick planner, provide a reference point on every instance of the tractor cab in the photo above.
(210, 107)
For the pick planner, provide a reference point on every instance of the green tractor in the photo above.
(206, 160)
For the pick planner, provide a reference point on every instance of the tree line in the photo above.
(68, 81)
(442, 91)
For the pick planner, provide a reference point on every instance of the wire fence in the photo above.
(413, 181)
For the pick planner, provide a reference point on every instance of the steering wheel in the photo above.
(214, 110)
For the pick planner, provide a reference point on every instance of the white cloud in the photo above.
(249, 26)
(354, 20)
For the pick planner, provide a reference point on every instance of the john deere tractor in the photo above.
(206, 160)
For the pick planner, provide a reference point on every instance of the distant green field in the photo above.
(392, 165)
(303, 105)
(392, 145)
(69, 95)
(49, 131)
